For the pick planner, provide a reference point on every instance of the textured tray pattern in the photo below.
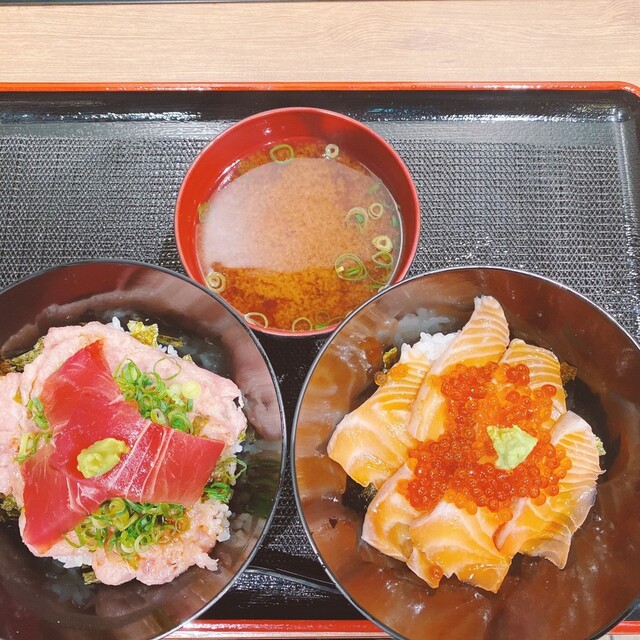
(547, 193)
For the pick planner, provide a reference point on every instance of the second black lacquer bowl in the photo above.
(600, 582)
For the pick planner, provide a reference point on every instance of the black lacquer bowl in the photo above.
(601, 581)
(41, 600)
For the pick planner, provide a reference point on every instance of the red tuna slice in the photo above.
(86, 372)
(165, 465)
(93, 418)
(53, 503)
(162, 465)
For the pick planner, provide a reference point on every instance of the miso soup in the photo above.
(298, 235)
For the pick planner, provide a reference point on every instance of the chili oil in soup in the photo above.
(298, 235)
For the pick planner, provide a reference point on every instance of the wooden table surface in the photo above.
(449, 41)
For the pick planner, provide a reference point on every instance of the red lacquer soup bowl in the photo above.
(309, 211)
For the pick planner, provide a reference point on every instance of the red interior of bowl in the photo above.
(247, 136)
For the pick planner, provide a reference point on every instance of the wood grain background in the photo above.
(428, 41)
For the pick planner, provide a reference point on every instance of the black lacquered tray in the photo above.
(545, 180)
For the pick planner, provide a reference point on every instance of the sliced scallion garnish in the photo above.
(302, 324)
(224, 476)
(177, 419)
(383, 243)
(281, 153)
(349, 266)
(163, 404)
(202, 211)
(357, 216)
(324, 319)
(382, 259)
(30, 439)
(158, 416)
(255, 317)
(35, 411)
(130, 528)
(216, 281)
(191, 389)
(331, 151)
(220, 491)
(375, 211)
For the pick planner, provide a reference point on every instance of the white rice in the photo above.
(430, 346)
(421, 321)
(70, 562)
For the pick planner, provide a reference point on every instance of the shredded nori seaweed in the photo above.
(8, 508)
(89, 577)
(176, 343)
(357, 497)
(18, 363)
(567, 372)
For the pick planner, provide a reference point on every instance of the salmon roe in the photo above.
(460, 465)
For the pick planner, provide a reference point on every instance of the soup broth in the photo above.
(298, 235)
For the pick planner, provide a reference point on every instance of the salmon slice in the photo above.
(420, 564)
(546, 530)
(386, 523)
(386, 527)
(544, 368)
(462, 544)
(482, 340)
(371, 442)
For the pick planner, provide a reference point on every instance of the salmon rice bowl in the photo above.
(470, 455)
(116, 454)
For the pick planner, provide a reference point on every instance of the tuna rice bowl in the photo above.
(118, 455)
